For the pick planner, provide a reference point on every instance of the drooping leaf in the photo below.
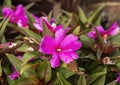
(44, 71)
(82, 80)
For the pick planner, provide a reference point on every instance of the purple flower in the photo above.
(62, 47)
(14, 75)
(118, 78)
(17, 15)
(113, 30)
(51, 25)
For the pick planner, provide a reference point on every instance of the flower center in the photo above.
(59, 50)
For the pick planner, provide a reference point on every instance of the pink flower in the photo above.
(113, 30)
(51, 25)
(62, 47)
(118, 78)
(14, 75)
(17, 15)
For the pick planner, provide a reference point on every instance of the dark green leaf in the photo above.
(64, 72)
(26, 81)
(82, 80)
(97, 75)
(44, 71)
(62, 80)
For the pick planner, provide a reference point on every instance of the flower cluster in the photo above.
(46, 45)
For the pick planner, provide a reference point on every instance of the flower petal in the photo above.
(92, 34)
(113, 30)
(66, 57)
(59, 36)
(47, 45)
(70, 43)
(14, 75)
(6, 11)
(74, 55)
(55, 60)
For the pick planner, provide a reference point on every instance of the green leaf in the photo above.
(14, 61)
(115, 40)
(100, 81)
(82, 15)
(27, 66)
(31, 19)
(97, 21)
(29, 5)
(62, 81)
(44, 71)
(32, 34)
(99, 53)
(46, 30)
(3, 27)
(118, 64)
(82, 80)
(76, 30)
(64, 72)
(100, 40)
(26, 81)
(95, 13)
(23, 48)
(7, 3)
(0, 68)
(97, 75)
(29, 55)
(112, 83)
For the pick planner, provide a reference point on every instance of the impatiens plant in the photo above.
(63, 49)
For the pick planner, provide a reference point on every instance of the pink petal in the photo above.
(38, 26)
(113, 30)
(74, 55)
(58, 28)
(59, 36)
(47, 45)
(66, 57)
(70, 43)
(6, 11)
(92, 34)
(55, 60)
